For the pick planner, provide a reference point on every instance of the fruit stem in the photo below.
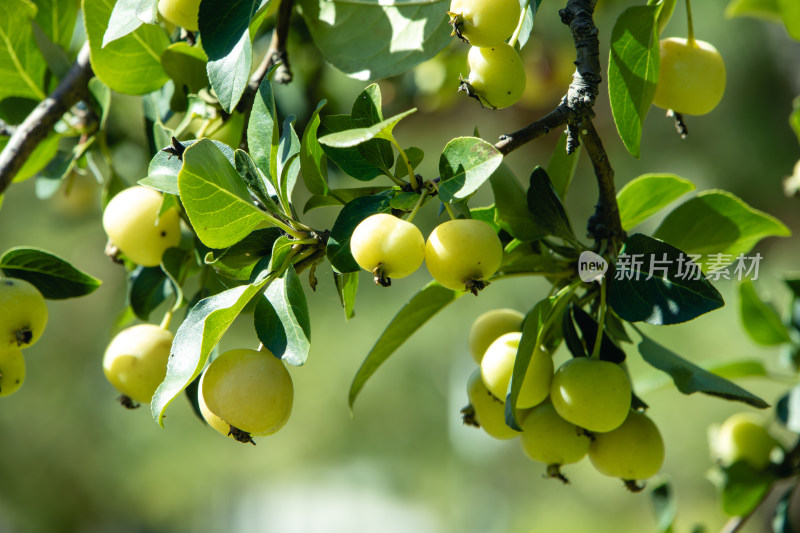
(202, 131)
(285, 227)
(601, 321)
(513, 40)
(690, 37)
(166, 320)
(419, 204)
(412, 178)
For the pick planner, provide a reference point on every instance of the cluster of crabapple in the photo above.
(497, 76)
(583, 407)
(23, 317)
(460, 254)
(743, 438)
(243, 393)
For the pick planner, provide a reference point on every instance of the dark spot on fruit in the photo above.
(24, 336)
(8, 282)
(163, 233)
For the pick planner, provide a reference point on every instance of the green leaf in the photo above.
(262, 133)
(347, 287)
(416, 312)
(56, 18)
(288, 162)
(54, 56)
(55, 278)
(255, 180)
(545, 207)
(369, 39)
(367, 112)
(664, 506)
(759, 318)
(313, 164)
(675, 292)
(225, 27)
(562, 165)
(239, 261)
(465, 163)
(356, 136)
(282, 321)
(690, 378)
(531, 8)
(127, 16)
(633, 72)
(130, 64)
(790, 14)
(204, 326)
(341, 197)
(38, 159)
(186, 66)
(717, 222)
(644, 196)
(102, 95)
(148, 287)
(349, 217)
(511, 206)
(794, 118)
(21, 65)
(787, 410)
(162, 173)
(215, 197)
(764, 9)
(349, 160)
(742, 487)
(415, 157)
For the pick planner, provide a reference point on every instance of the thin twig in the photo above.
(605, 223)
(72, 89)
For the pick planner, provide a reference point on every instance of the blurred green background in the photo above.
(72, 459)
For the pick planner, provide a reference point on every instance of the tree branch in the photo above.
(605, 223)
(27, 136)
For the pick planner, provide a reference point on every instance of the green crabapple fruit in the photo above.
(135, 361)
(219, 424)
(250, 390)
(496, 75)
(12, 370)
(488, 411)
(461, 254)
(23, 314)
(133, 225)
(692, 76)
(182, 13)
(387, 246)
(548, 438)
(633, 451)
(498, 365)
(484, 22)
(743, 437)
(591, 393)
(491, 325)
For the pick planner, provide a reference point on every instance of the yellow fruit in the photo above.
(182, 13)
(692, 77)
(23, 314)
(498, 365)
(635, 450)
(742, 437)
(132, 224)
(548, 438)
(250, 390)
(483, 22)
(394, 246)
(591, 393)
(496, 75)
(12, 371)
(491, 325)
(135, 361)
(462, 254)
(489, 411)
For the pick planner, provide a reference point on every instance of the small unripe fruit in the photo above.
(591, 393)
(461, 254)
(135, 362)
(387, 246)
(12, 371)
(490, 413)
(182, 13)
(250, 390)
(23, 314)
(491, 325)
(484, 23)
(633, 451)
(691, 78)
(132, 224)
(548, 438)
(742, 437)
(496, 75)
(497, 367)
